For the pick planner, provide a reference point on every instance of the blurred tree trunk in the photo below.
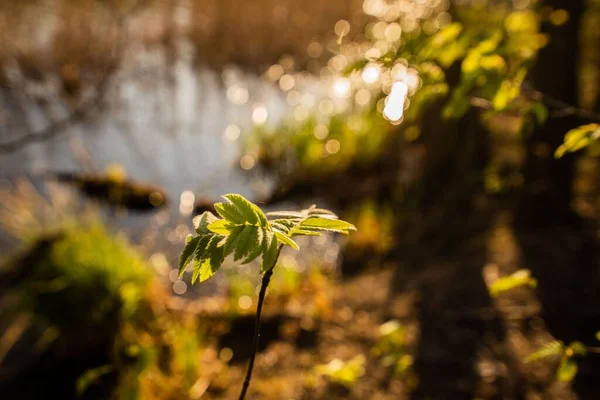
(546, 199)
(555, 245)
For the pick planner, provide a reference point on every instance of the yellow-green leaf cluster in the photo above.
(579, 138)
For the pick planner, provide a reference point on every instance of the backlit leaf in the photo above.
(285, 239)
(202, 221)
(247, 242)
(264, 235)
(232, 239)
(269, 255)
(190, 246)
(221, 227)
(244, 207)
(326, 224)
(229, 212)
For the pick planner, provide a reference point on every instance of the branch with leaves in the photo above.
(246, 232)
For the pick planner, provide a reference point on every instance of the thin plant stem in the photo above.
(261, 298)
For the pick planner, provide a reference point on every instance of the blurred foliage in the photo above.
(314, 148)
(567, 366)
(494, 49)
(345, 373)
(392, 350)
(87, 276)
(585, 136)
(519, 278)
(374, 228)
(93, 291)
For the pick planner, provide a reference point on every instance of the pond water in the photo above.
(163, 118)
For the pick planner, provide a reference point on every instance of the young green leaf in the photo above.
(190, 247)
(202, 221)
(326, 224)
(321, 212)
(299, 231)
(285, 239)
(202, 271)
(229, 212)
(244, 207)
(269, 255)
(215, 253)
(286, 214)
(247, 242)
(232, 240)
(262, 218)
(264, 235)
(221, 227)
(284, 225)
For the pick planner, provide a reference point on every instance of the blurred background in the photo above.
(437, 127)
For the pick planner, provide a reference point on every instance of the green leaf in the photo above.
(190, 246)
(247, 243)
(202, 221)
(313, 211)
(285, 239)
(262, 218)
(244, 207)
(554, 348)
(567, 370)
(215, 254)
(299, 231)
(232, 240)
(270, 254)
(326, 224)
(286, 214)
(221, 227)
(229, 212)
(265, 235)
(200, 252)
(207, 257)
(284, 225)
(202, 271)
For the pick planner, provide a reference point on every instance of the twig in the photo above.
(560, 108)
(261, 297)
(595, 350)
(563, 109)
